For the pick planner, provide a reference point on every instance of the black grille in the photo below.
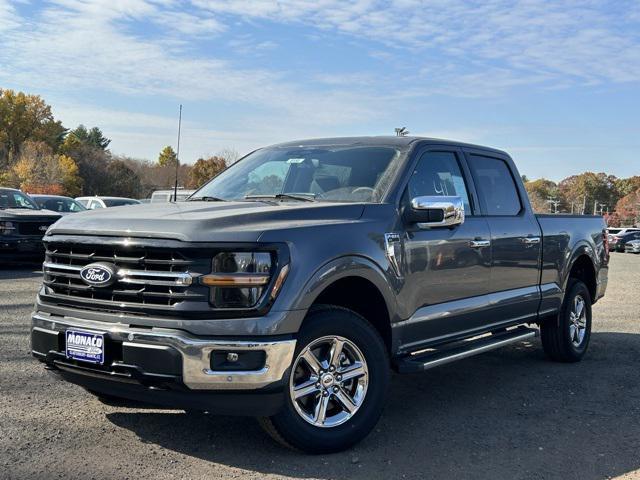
(153, 278)
(33, 228)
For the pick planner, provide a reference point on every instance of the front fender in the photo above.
(343, 267)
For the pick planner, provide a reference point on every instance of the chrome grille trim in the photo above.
(178, 279)
(145, 277)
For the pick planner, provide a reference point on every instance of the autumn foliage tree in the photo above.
(540, 191)
(167, 157)
(39, 170)
(204, 170)
(25, 117)
(628, 208)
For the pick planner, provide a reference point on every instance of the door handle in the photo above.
(530, 240)
(479, 243)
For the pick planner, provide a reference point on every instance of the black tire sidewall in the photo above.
(347, 324)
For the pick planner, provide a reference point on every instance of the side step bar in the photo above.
(466, 348)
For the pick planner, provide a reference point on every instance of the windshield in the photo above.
(331, 173)
(62, 205)
(118, 202)
(16, 199)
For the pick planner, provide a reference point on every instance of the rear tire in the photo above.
(342, 362)
(565, 338)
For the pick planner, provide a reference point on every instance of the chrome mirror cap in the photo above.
(449, 210)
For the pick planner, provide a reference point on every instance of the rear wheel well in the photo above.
(584, 271)
(363, 297)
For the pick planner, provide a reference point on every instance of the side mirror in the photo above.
(435, 211)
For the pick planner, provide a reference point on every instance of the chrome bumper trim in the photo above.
(195, 352)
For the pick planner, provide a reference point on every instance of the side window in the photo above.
(495, 186)
(439, 174)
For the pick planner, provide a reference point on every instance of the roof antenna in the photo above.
(402, 132)
(175, 187)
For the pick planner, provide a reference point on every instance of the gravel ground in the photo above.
(506, 414)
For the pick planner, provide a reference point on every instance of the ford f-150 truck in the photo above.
(292, 284)
(22, 226)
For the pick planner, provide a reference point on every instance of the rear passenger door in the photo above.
(516, 239)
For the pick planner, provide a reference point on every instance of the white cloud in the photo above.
(573, 41)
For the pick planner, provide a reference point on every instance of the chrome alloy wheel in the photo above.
(329, 381)
(577, 321)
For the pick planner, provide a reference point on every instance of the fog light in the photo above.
(243, 360)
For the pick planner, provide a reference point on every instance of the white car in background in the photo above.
(615, 234)
(632, 247)
(93, 203)
(164, 196)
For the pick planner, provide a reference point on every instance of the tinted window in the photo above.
(439, 174)
(59, 204)
(117, 202)
(16, 199)
(495, 186)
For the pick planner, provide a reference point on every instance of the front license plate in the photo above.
(85, 346)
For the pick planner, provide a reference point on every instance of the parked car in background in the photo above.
(632, 247)
(93, 203)
(58, 204)
(615, 233)
(620, 240)
(22, 225)
(289, 285)
(163, 196)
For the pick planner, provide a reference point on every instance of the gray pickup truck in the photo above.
(292, 284)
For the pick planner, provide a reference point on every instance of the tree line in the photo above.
(618, 199)
(38, 154)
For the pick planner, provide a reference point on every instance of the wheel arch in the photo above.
(358, 284)
(583, 268)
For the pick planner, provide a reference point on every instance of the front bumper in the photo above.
(21, 245)
(150, 362)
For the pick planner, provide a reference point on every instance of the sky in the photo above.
(556, 84)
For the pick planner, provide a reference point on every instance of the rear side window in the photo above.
(439, 174)
(496, 186)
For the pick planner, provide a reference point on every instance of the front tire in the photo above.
(565, 338)
(336, 389)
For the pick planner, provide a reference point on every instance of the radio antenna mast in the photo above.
(175, 187)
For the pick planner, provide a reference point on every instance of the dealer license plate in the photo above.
(85, 346)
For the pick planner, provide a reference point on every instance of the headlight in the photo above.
(239, 279)
(7, 228)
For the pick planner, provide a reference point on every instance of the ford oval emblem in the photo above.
(98, 274)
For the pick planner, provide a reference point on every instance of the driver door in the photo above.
(448, 268)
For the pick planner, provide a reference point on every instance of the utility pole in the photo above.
(553, 202)
(602, 205)
(175, 186)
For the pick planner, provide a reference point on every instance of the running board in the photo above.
(419, 362)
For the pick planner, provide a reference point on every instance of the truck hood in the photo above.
(10, 214)
(204, 221)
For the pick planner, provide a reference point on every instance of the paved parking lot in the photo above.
(506, 414)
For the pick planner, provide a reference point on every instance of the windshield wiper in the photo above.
(206, 199)
(303, 197)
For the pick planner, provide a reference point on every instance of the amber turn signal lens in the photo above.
(235, 280)
(284, 271)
